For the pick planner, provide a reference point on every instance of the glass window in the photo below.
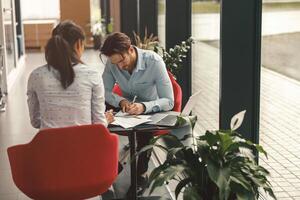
(280, 93)
(9, 36)
(40, 9)
(162, 22)
(205, 62)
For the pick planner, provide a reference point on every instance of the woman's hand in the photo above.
(109, 116)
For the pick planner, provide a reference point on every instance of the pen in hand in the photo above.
(131, 104)
(134, 98)
(128, 104)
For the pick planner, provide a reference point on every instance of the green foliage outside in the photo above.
(199, 7)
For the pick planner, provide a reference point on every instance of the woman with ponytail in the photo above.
(66, 92)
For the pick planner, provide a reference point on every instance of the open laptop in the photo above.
(170, 118)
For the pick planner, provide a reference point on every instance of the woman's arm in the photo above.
(33, 103)
(98, 102)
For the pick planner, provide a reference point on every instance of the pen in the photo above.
(134, 98)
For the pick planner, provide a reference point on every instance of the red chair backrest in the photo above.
(117, 90)
(177, 93)
(176, 90)
(66, 163)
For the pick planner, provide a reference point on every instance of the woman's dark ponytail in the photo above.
(60, 53)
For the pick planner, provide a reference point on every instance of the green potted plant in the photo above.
(220, 165)
(98, 34)
(174, 56)
(148, 42)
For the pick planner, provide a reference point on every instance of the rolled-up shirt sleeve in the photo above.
(33, 103)
(109, 82)
(165, 101)
(98, 102)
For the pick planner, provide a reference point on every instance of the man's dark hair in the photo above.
(115, 43)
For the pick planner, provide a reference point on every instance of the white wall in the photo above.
(40, 9)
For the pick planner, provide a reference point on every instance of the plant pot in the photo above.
(97, 39)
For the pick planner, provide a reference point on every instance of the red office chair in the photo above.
(177, 98)
(177, 101)
(66, 163)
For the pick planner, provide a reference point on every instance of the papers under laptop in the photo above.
(129, 121)
(170, 118)
(162, 119)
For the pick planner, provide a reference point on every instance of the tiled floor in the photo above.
(279, 118)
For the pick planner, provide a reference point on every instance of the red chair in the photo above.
(177, 98)
(66, 163)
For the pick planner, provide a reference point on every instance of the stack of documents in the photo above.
(129, 121)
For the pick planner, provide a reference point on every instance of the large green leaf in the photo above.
(181, 120)
(178, 152)
(238, 178)
(191, 193)
(210, 137)
(170, 137)
(270, 192)
(261, 150)
(185, 137)
(157, 171)
(245, 196)
(181, 185)
(220, 176)
(148, 148)
(240, 192)
(226, 141)
(171, 141)
(165, 174)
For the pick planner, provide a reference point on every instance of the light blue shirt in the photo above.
(149, 81)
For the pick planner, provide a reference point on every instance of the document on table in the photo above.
(130, 121)
(121, 114)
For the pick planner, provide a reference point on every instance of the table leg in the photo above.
(133, 164)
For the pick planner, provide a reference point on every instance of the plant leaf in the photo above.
(191, 193)
(181, 184)
(220, 176)
(240, 180)
(245, 196)
(210, 137)
(226, 141)
(237, 120)
(270, 192)
(165, 175)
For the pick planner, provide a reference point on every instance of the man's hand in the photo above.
(124, 104)
(135, 109)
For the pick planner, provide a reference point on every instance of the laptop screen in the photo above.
(190, 104)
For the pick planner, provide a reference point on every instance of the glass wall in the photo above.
(205, 62)
(45, 9)
(9, 35)
(162, 22)
(280, 94)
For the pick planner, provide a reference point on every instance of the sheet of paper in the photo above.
(121, 114)
(130, 121)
